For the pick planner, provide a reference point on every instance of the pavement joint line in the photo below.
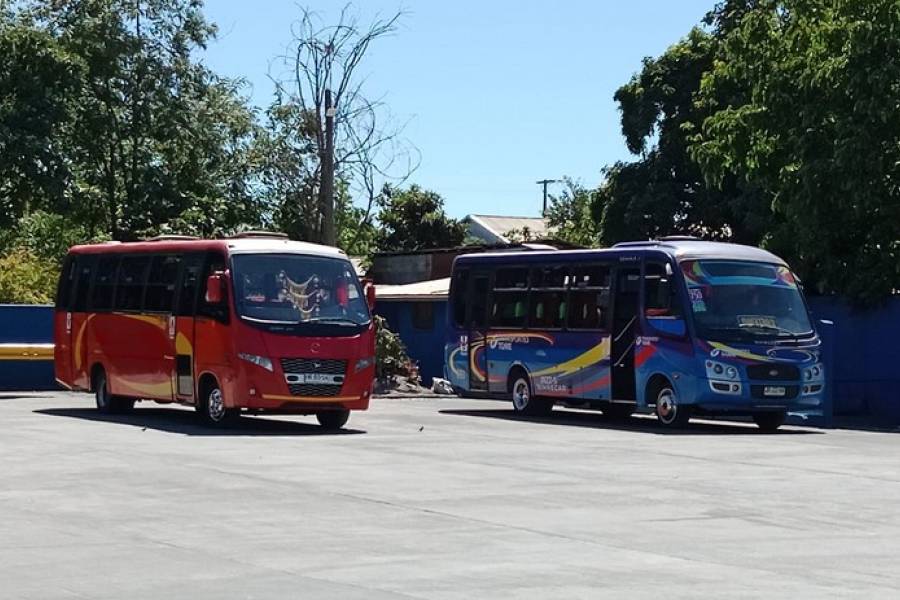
(590, 542)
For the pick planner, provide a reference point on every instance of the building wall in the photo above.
(426, 347)
(20, 327)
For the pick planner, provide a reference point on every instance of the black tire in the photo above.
(669, 412)
(523, 400)
(102, 398)
(769, 421)
(212, 410)
(615, 410)
(105, 401)
(332, 420)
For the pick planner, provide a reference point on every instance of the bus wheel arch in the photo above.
(521, 389)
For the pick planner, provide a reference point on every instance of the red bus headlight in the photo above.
(259, 361)
(364, 363)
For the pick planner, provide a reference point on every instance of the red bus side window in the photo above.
(104, 283)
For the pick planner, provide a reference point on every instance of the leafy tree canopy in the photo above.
(414, 219)
(664, 191)
(819, 129)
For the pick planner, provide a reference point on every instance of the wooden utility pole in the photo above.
(329, 237)
(545, 183)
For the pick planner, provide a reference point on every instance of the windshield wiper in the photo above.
(335, 321)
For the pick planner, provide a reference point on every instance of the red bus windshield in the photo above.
(295, 288)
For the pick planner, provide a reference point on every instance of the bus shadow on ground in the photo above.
(637, 423)
(185, 422)
(18, 396)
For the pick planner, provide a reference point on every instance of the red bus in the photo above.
(256, 324)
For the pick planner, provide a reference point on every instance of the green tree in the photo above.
(570, 215)
(819, 129)
(46, 235)
(664, 191)
(154, 141)
(414, 219)
(26, 278)
(37, 78)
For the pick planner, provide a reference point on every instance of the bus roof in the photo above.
(251, 245)
(680, 249)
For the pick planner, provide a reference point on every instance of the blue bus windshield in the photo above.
(745, 301)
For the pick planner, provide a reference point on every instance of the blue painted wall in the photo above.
(426, 347)
(24, 324)
(865, 362)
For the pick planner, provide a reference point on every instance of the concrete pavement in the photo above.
(438, 498)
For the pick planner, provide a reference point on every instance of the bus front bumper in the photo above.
(720, 397)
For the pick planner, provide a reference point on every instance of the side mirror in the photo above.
(370, 295)
(214, 286)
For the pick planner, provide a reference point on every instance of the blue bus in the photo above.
(677, 326)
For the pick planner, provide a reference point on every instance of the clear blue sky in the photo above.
(499, 93)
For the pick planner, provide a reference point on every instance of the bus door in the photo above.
(80, 319)
(624, 331)
(212, 343)
(181, 328)
(62, 348)
(479, 288)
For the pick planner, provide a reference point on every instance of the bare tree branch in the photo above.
(370, 152)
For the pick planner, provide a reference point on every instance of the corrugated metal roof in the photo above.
(433, 290)
(500, 226)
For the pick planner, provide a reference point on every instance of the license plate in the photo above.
(316, 378)
(774, 390)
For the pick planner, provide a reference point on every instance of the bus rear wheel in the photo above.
(332, 420)
(212, 409)
(105, 401)
(669, 411)
(523, 399)
(769, 421)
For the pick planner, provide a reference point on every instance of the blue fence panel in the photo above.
(21, 325)
(424, 346)
(865, 357)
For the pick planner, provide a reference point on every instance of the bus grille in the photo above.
(773, 372)
(325, 366)
(328, 366)
(314, 390)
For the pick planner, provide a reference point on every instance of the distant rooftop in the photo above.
(433, 290)
(496, 229)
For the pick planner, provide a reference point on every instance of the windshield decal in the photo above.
(765, 321)
(299, 295)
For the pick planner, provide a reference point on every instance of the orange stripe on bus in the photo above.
(310, 398)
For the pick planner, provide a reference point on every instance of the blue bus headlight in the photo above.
(731, 372)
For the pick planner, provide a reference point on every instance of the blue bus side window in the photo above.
(459, 293)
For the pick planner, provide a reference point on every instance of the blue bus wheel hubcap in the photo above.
(666, 406)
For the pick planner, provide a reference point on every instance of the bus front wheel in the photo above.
(212, 409)
(669, 411)
(332, 420)
(523, 399)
